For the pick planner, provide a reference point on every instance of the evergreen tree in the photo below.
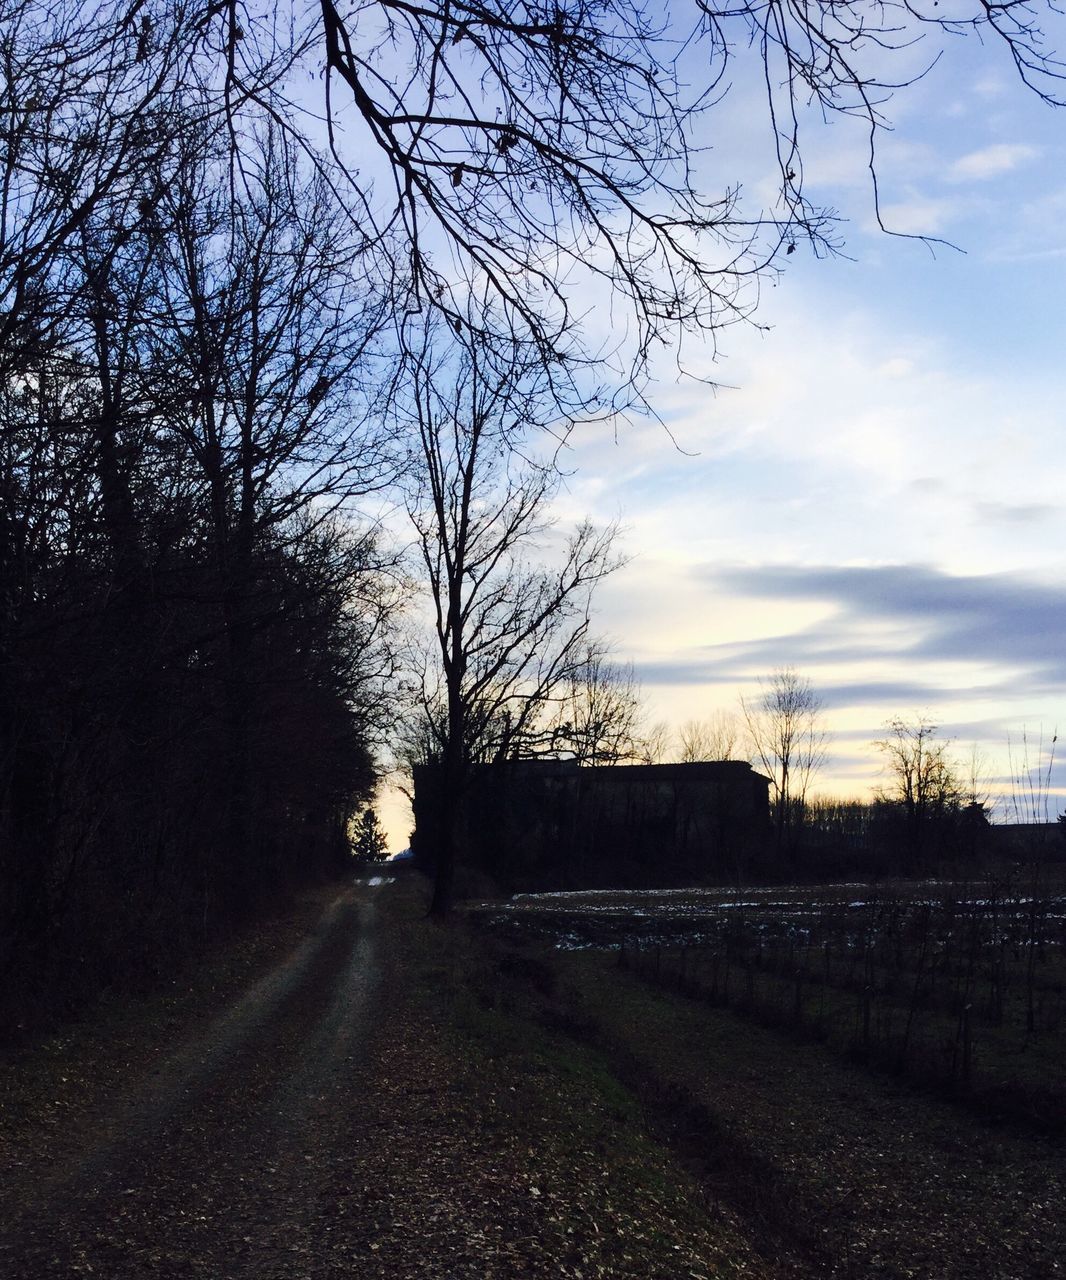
(370, 844)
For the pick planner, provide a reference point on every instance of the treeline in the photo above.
(930, 809)
(191, 621)
(886, 837)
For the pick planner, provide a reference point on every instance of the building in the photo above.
(552, 824)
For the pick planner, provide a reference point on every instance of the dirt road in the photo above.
(219, 1158)
(351, 1104)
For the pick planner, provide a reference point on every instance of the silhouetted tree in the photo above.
(596, 714)
(789, 744)
(655, 743)
(922, 786)
(192, 626)
(535, 156)
(552, 148)
(510, 625)
(267, 333)
(715, 738)
(369, 844)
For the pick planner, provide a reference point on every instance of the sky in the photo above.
(873, 494)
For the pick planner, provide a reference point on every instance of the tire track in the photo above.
(200, 1163)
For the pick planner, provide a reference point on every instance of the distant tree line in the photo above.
(930, 811)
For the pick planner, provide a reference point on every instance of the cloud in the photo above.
(1015, 512)
(906, 615)
(916, 216)
(690, 670)
(741, 664)
(896, 367)
(991, 162)
(1031, 232)
(990, 86)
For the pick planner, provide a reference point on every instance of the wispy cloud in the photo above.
(1025, 513)
(1034, 231)
(990, 85)
(750, 661)
(1003, 622)
(991, 162)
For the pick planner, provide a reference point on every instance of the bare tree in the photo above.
(267, 329)
(655, 743)
(694, 741)
(264, 335)
(1030, 763)
(976, 781)
(188, 638)
(525, 154)
(510, 626)
(789, 742)
(90, 98)
(715, 738)
(922, 781)
(552, 147)
(596, 715)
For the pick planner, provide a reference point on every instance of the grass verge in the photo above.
(553, 1134)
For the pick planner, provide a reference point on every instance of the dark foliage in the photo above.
(190, 621)
(138, 815)
(369, 843)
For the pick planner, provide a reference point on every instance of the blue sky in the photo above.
(877, 499)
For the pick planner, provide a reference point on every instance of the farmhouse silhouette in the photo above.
(555, 824)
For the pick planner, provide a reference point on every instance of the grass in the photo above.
(613, 1199)
(836, 1170)
(854, 1173)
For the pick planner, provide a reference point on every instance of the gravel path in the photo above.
(215, 1154)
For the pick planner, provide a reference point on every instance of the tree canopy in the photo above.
(538, 158)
